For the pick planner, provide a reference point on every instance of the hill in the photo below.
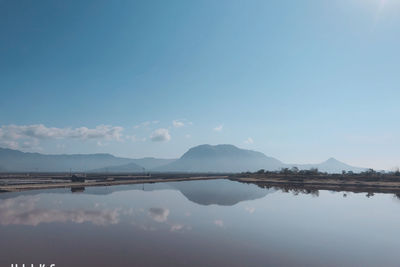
(125, 168)
(17, 161)
(152, 163)
(136, 165)
(331, 165)
(221, 158)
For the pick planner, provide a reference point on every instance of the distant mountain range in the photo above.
(136, 165)
(151, 163)
(331, 165)
(17, 161)
(130, 167)
(203, 158)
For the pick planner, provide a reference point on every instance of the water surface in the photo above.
(198, 223)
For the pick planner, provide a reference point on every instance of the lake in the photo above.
(198, 223)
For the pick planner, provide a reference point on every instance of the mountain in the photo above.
(125, 168)
(221, 158)
(331, 165)
(136, 165)
(203, 158)
(151, 163)
(17, 161)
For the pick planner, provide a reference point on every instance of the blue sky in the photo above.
(298, 80)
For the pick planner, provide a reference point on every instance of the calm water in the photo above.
(198, 223)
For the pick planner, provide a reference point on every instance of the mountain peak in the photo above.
(222, 150)
(219, 146)
(332, 160)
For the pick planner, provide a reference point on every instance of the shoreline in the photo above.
(331, 184)
(26, 187)
(309, 183)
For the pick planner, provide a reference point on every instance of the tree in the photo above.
(262, 171)
(314, 170)
(295, 169)
(369, 172)
(285, 171)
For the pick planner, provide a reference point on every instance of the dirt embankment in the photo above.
(103, 182)
(326, 183)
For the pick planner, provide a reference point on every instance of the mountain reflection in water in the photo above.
(26, 209)
(198, 223)
(218, 192)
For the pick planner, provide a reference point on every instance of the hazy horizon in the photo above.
(301, 165)
(297, 81)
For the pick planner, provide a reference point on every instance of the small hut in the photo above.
(77, 179)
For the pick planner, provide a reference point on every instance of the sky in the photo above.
(301, 81)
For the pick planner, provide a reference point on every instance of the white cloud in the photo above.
(15, 136)
(24, 211)
(159, 214)
(176, 227)
(9, 144)
(134, 138)
(177, 123)
(181, 122)
(145, 124)
(249, 141)
(100, 144)
(180, 228)
(219, 128)
(188, 136)
(160, 135)
(40, 131)
(33, 143)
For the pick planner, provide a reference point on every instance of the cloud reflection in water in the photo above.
(159, 214)
(24, 211)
